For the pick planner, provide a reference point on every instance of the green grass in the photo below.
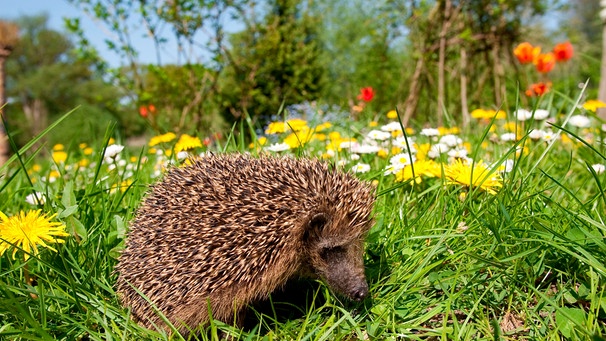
(444, 262)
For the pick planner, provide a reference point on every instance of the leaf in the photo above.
(68, 211)
(567, 318)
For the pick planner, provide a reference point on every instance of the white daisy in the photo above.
(278, 147)
(360, 168)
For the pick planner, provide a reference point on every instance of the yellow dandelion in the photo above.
(275, 128)
(59, 156)
(82, 145)
(473, 175)
(422, 151)
(187, 142)
(88, 151)
(593, 105)
(510, 126)
(323, 126)
(36, 167)
(84, 163)
(58, 147)
(27, 231)
(382, 153)
(373, 124)
(392, 114)
(423, 168)
(164, 138)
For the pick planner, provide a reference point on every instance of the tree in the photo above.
(9, 34)
(46, 79)
(273, 63)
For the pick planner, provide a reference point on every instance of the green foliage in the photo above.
(45, 79)
(273, 63)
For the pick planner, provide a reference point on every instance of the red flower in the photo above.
(545, 62)
(152, 108)
(563, 51)
(366, 94)
(538, 89)
(143, 111)
(526, 53)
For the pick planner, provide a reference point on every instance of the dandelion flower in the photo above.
(161, 139)
(425, 168)
(59, 156)
(27, 231)
(593, 105)
(392, 114)
(473, 175)
(187, 142)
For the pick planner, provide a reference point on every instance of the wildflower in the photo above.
(473, 175)
(579, 121)
(549, 136)
(488, 114)
(541, 114)
(36, 198)
(538, 89)
(143, 111)
(430, 132)
(59, 156)
(593, 105)
(451, 140)
(421, 169)
(27, 231)
(373, 124)
(379, 135)
(522, 114)
(161, 139)
(506, 167)
(436, 150)
(536, 134)
(366, 94)
(392, 114)
(182, 155)
(364, 148)
(545, 62)
(458, 153)
(278, 147)
(563, 51)
(404, 144)
(400, 160)
(392, 126)
(187, 142)
(112, 151)
(88, 151)
(526, 53)
(507, 137)
(598, 168)
(58, 147)
(360, 168)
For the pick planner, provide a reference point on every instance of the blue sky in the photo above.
(95, 32)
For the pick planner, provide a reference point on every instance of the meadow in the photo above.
(494, 231)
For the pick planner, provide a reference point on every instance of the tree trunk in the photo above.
(410, 105)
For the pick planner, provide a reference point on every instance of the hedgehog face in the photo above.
(337, 257)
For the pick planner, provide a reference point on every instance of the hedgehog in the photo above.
(227, 230)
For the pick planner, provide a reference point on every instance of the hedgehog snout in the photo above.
(360, 293)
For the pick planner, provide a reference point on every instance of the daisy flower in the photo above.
(360, 168)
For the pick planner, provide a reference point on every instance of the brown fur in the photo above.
(228, 230)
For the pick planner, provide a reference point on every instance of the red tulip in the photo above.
(143, 111)
(545, 62)
(563, 51)
(366, 94)
(538, 89)
(526, 53)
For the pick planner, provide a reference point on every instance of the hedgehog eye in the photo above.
(318, 221)
(330, 252)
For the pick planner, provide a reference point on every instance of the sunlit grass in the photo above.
(493, 231)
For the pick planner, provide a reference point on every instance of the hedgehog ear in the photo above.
(317, 221)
